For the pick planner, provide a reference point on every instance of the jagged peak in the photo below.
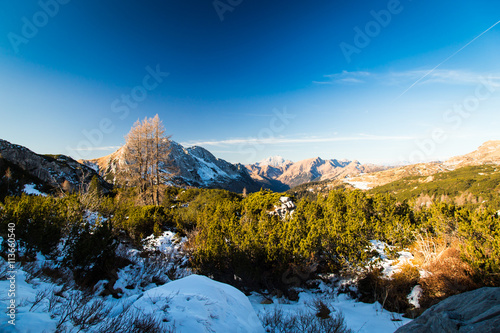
(275, 161)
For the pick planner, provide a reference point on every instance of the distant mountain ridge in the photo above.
(487, 153)
(194, 166)
(280, 174)
(274, 161)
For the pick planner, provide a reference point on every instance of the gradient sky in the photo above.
(252, 78)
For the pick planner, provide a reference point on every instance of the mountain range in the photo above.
(197, 167)
(194, 166)
(280, 174)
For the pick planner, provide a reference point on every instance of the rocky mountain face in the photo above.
(194, 166)
(279, 174)
(487, 153)
(48, 172)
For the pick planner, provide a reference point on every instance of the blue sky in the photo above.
(377, 81)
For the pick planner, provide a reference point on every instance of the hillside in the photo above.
(468, 184)
(48, 173)
(487, 153)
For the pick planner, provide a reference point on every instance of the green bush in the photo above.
(144, 221)
(90, 252)
(38, 220)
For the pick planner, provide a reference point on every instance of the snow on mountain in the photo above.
(193, 166)
(31, 189)
(47, 172)
(274, 161)
(279, 174)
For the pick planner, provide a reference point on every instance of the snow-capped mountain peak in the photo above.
(275, 161)
(193, 166)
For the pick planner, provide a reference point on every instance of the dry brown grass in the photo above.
(392, 292)
(447, 275)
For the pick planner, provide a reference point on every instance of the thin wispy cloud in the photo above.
(420, 76)
(108, 148)
(444, 76)
(300, 140)
(345, 77)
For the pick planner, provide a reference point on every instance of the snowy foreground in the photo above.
(192, 303)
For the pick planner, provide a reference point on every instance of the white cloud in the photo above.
(108, 148)
(345, 77)
(299, 140)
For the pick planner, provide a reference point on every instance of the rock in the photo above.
(473, 311)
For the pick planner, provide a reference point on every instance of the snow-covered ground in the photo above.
(360, 317)
(30, 189)
(191, 303)
(198, 304)
(359, 185)
(389, 266)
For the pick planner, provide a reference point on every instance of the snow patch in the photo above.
(31, 189)
(167, 243)
(388, 266)
(210, 171)
(414, 296)
(358, 184)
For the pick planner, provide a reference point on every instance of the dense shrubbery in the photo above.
(241, 241)
(40, 221)
(240, 238)
(90, 252)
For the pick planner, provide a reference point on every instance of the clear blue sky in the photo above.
(377, 81)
